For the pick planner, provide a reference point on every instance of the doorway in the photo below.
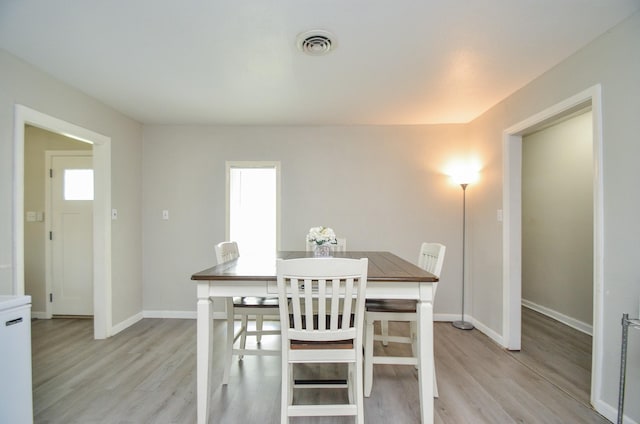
(40, 145)
(70, 235)
(253, 199)
(512, 227)
(557, 221)
(557, 253)
(101, 226)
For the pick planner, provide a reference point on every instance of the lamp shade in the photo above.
(464, 176)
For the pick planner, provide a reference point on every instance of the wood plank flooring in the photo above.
(558, 352)
(146, 374)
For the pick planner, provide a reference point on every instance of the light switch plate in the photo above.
(114, 214)
(165, 215)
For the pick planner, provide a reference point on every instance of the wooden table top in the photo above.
(383, 266)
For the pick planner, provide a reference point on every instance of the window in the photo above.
(78, 184)
(253, 206)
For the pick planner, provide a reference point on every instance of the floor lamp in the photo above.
(462, 324)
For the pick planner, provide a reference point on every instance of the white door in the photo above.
(71, 235)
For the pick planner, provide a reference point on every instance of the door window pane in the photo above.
(78, 184)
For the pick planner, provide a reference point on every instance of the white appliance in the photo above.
(16, 401)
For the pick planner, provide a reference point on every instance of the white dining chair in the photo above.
(431, 258)
(341, 246)
(322, 321)
(246, 307)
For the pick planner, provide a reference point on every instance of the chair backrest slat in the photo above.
(322, 306)
(349, 293)
(295, 302)
(308, 303)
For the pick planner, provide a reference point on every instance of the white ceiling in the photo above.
(235, 62)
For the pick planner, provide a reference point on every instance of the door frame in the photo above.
(512, 225)
(102, 290)
(48, 215)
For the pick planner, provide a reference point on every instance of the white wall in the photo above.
(557, 220)
(383, 188)
(613, 61)
(23, 84)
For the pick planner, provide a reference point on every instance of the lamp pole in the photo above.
(462, 324)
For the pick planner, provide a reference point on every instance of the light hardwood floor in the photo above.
(558, 352)
(146, 374)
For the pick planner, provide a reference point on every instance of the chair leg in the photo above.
(291, 381)
(351, 383)
(368, 358)
(229, 346)
(384, 327)
(435, 383)
(283, 401)
(286, 393)
(359, 394)
(243, 337)
(413, 334)
(259, 319)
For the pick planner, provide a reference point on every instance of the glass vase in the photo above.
(322, 250)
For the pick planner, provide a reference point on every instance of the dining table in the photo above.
(389, 277)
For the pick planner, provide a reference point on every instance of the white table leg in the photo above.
(425, 350)
(204, 351)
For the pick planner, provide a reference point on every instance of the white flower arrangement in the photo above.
(321, 235)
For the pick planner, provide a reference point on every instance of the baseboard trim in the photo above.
(180, 314)
(39, 315)
(487, 331)
(611, 413)
(567, 320)
(170, 314)
(126, 323)
(480, 326)
(447, 317)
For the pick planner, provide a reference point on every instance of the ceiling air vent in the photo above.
(316, 42)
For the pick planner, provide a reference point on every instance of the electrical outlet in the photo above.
(499, 215)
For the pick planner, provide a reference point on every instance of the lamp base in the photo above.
(462, 325)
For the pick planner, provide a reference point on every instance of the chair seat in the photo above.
(390, 305)
(332, 344)
(255, 302)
